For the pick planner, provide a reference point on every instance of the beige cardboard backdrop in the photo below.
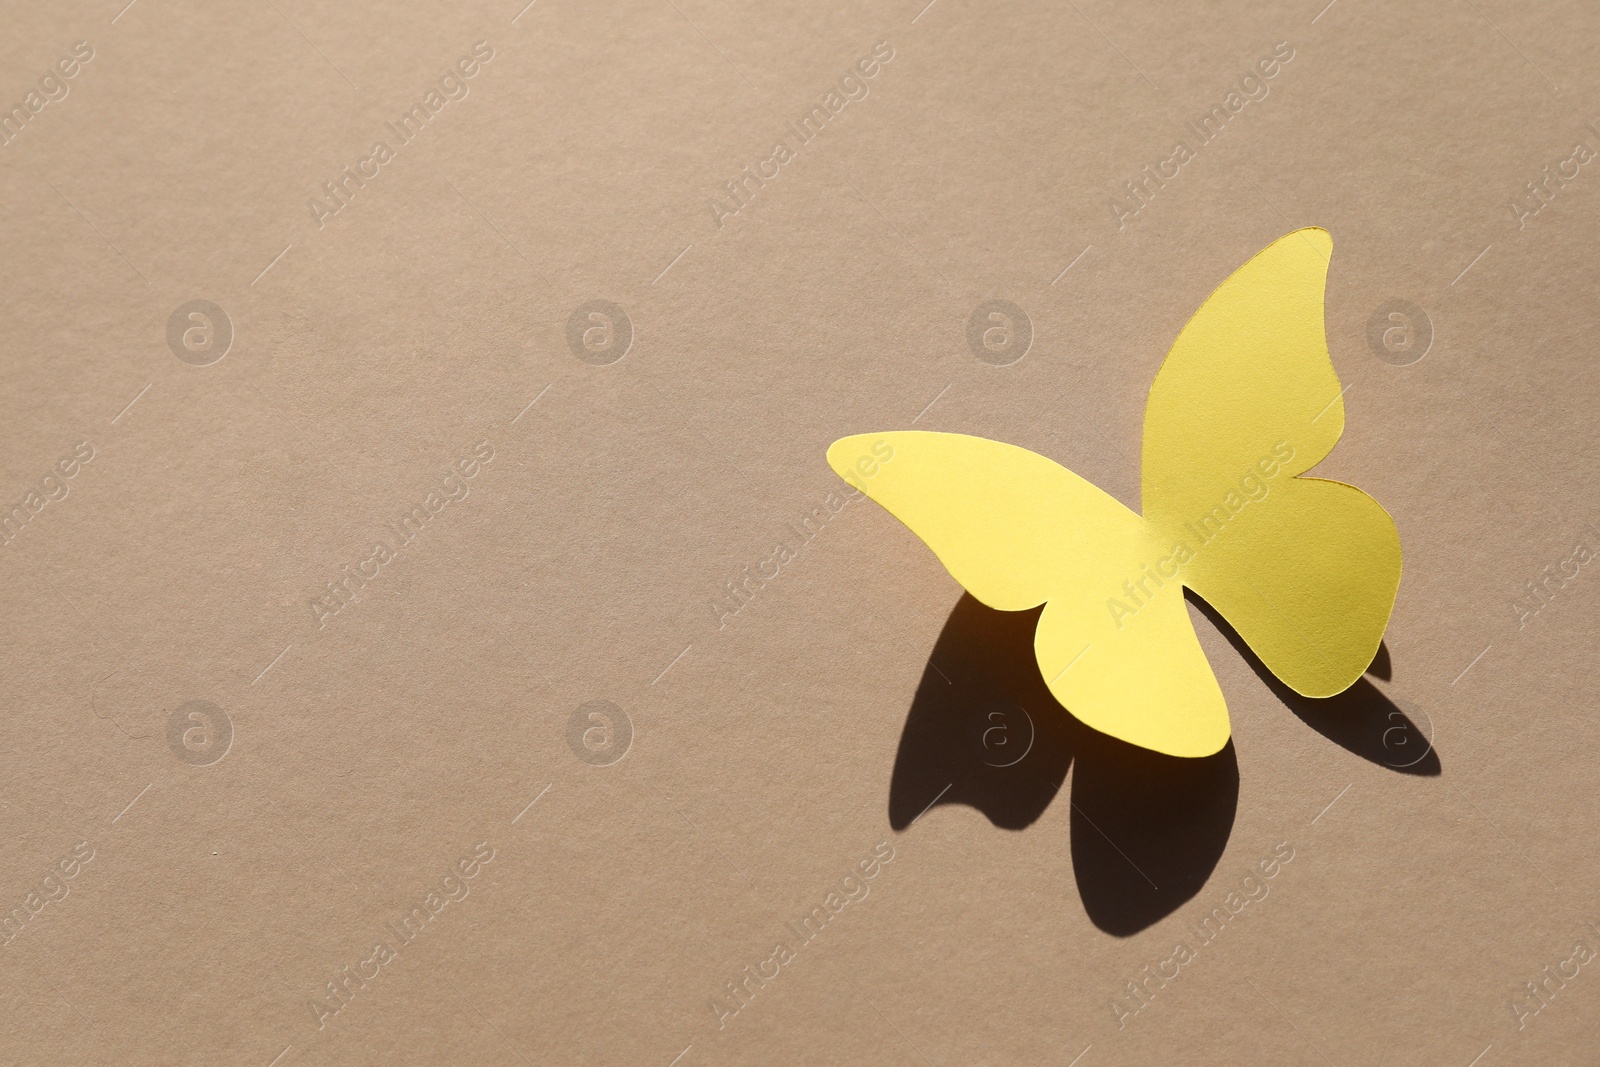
(231, 881)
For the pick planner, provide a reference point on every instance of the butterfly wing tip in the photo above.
(1318, 236)
(838, 453)
(1322, 689)
(1210, 747)
(1187, 750)
(859, 455)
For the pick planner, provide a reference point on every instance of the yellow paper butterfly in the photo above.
(1306, 569)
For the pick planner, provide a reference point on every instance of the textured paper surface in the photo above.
(467, 579)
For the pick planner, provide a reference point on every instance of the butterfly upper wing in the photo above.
(1250, 369)
(1018, 530)
(1011, 526)
(1306, 569)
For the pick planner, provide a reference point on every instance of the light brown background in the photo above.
(369, 755)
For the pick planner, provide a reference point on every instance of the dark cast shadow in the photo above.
(1360, 719)
(1146, 829)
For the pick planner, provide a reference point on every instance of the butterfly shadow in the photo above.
(1361, 719)
(1146, 829)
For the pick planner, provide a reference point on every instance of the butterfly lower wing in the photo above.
(1308, 577)
(1018, 530)
(1142, 679)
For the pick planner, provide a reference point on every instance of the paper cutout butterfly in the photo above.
(1306, 569)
